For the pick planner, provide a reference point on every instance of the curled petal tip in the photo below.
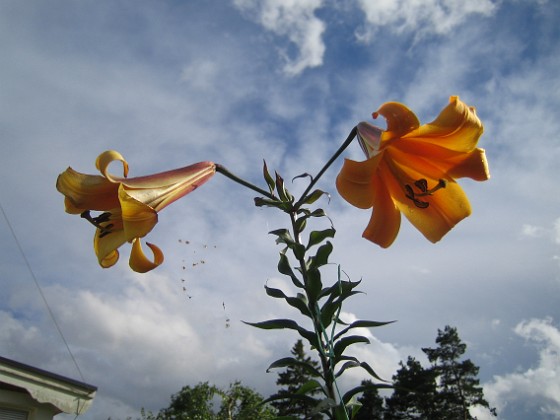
(138, 260)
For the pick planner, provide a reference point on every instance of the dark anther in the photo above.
(422, 185)
(96, 221)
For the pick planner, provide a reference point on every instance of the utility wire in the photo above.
(41, 292)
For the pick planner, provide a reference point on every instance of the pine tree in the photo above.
(414, 393)
(372, 403)
(291, 380)
(458, 385)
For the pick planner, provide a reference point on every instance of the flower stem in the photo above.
(222, 170)
(341, 149)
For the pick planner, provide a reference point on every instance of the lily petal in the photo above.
(105, 159)
(106, 245)
(86, 192)
(354, 182)
(385, 220)
(400, 119)
(160, 190)
(457, 128)
(138, 260)
(138, 218)
(446, 207)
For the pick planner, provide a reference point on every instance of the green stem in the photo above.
(326, 365)
(222, 170)
(334, 157)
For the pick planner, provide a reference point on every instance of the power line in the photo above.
(41, 292)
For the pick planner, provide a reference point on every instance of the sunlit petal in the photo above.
(400, 119)
(138, 218)
(138, 260)
(446, 207)
(162, 189)
(86, 192)
(354, 182)
(105, 247)
(385, 220)
(457, 128)
(105, 159)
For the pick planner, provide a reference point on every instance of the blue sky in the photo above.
(170, 83)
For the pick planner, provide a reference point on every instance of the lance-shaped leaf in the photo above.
(361, 324)
(362, 388)
(314, 196)
(268, 178)
(309, 386)
(283, 236)
(314, 284)
(352, 362)
(343, 343)
(268, 202)
(322, 256)
(293, 362)
(281, 324)
(285, 268)
(282, 191)
(298, 302)
(318, 236)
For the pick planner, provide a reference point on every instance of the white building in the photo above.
(29, 393)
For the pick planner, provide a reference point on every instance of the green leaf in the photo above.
(314, 196)
(284, 268)
(267, 202)
(314, 284)
(296, 302)
(361, 388)
(361, 324)
(282, 191)
(352, 363)
(299, 251)
(318, 236)
(280, 324)
(284, 237)
(342, 288)
(300, 224)
(343, 343)
(268, 178)
(309, 386)
(322, 256)
(291, 361)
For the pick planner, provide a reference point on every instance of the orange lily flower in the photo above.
(411, 169)
(130, 206)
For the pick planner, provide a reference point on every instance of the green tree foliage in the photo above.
(291, 380)
(372, 403)
(458, 385)
(197, 403)
(444, 391)
(414, 392)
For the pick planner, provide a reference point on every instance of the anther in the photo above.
(96, 221)
(422, 185)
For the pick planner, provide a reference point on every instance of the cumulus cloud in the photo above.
(295, 19)
(536, 390)
(423, 17)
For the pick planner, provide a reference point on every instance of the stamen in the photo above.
(96, 221)
(422, 185)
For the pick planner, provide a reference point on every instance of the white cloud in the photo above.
(420, 16)
(537, 389)
(295, 19)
